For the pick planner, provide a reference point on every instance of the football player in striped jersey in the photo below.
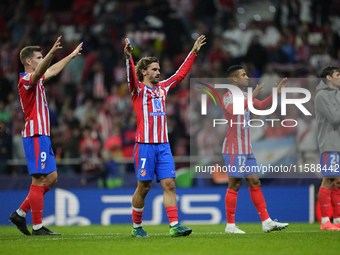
(152, 154)
(36, 132)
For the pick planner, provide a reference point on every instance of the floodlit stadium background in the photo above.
(89, 100)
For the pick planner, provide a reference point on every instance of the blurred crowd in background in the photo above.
(89, 102)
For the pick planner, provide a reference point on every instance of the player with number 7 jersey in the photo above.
(152, 154)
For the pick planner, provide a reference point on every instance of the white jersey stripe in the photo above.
(38, 112)
(155, 120)
(48, 121)
(246, 141)
(146, 116)
(166, 131)
(43, 111)
(24, 132)
(31, 128)
(128, 72)
(162, 130)
(249, 141)
(239, 135)
(223, 146)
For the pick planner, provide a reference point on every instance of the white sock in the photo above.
(135, 225)
(324, 220)
(336, 221)
(37, 227)
(138, 209)
(267, 221)
(21, 213)
(230, 225)
(173, 223)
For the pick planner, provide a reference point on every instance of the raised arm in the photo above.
(261, 105)
(130, 67)
(184, 69)
(45, 63)
(264, 104)
(57, 67)
(198, 44)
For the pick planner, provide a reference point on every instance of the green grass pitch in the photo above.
(205, 239)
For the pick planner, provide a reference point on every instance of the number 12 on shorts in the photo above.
(241, 160)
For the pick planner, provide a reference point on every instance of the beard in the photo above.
(155, 80)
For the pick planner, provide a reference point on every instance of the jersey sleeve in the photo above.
(228, 103)
(180, 74)
(27, 82)
(131, 76)
(261, 105)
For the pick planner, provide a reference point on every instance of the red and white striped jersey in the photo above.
(237, 140)
(149, 103)
(34, 105)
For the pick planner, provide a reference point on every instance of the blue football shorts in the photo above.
(329, 163)
(240, 165)
(39, 155)
(153, 159)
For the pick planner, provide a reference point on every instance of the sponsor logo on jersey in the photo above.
(157, 103)
(157, 114)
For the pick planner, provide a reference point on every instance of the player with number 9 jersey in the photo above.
(36, 132)
(37, 145)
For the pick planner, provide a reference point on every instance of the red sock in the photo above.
(46, 189)
(335, 200)
(324, 201)
(25, 206)
(259, 202)
(172, 212)
(36, 199)
(137, 216)
(230, 205)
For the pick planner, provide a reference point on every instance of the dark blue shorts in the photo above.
(39, 155)
(329, 163)
(153, 159)
(240, 165)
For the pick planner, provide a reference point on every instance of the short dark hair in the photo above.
(143, 63)
(231, 70)
(328, 70)
(27, 52)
